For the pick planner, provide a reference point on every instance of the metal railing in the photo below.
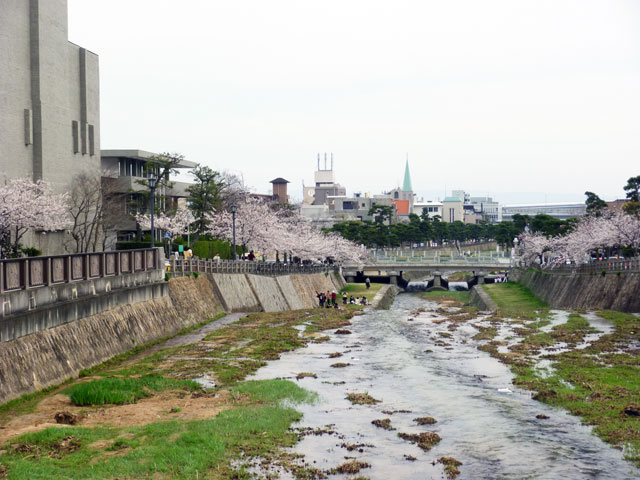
(183, 267)
(611, 265)
(35, 272)
(443, 260)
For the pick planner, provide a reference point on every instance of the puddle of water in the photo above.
(205, 381)
(495, 434)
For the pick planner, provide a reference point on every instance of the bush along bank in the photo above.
(596, 373)
(145, 417)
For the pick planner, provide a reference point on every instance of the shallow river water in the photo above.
(484, 421)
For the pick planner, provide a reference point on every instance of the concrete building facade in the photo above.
(49, 102)
(123, 169)
(49, 95)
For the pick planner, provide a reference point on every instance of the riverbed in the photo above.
(418, 368)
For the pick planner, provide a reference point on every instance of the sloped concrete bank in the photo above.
(482, 300)
(384, 298)
(51, 356)
(584, 290)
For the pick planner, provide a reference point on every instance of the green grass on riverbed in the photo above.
(597, 383)
(253, 421)
(171, 449)
(515, 300)
(460, 298)
(119, 391)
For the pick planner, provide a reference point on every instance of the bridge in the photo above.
(401, 272)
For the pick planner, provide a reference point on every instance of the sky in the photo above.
(526, 101)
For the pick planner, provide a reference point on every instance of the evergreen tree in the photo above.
(204, 195)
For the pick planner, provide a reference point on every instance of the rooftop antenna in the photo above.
(318, 161)
(325, 160)
(331, 161)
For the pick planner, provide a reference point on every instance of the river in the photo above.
(484, 421)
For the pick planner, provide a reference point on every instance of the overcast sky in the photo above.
(538, 98)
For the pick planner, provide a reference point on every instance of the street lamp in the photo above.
(234, 209)
(153, 183)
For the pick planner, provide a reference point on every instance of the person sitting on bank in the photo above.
(352, 301)
(344, 298)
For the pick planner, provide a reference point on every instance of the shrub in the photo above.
(31, 252)
(132, 245)
(119, 391)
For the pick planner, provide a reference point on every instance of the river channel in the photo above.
(484, 421)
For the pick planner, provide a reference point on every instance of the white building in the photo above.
(560, 211)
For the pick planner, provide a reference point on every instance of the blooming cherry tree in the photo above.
(25, 205)
(175, 225)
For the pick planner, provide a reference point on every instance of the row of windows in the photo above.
(130, 167)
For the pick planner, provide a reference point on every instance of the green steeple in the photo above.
(406, 185)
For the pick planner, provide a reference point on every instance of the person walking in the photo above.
(368, 283)
(334, 296)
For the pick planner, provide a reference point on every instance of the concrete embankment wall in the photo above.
(585, 290)
(50, 356)
(53, 355)
(482, 300)
(384, 298)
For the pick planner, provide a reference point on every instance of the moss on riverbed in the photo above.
(236, 419)
(600, 383)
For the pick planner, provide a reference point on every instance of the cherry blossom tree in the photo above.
(25, 205)
(263, 229)
(590, 235)
(174, 225)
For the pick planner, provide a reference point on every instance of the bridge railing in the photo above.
(35, 272)
(442, 260)
(182, 267)
(611, 265)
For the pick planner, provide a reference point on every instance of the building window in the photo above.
(92, 146)
(395, 195)
(75, 132)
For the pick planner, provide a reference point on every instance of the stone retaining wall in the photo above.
(50, 356)
(614, 291)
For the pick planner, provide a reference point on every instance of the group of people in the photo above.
(327, 300)
(330, 299)
(355, 301)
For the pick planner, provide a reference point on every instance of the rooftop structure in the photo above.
(280, 189)
(406, 185)
(325, 188)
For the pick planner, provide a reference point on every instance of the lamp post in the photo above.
(234, 209)
(152, 188)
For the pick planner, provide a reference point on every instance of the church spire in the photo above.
(406, 185)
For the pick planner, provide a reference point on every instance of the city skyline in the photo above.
(493, 98)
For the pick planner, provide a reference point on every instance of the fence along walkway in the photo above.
(34, 272)
(610, 265)
(183, 267)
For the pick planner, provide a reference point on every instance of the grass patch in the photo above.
(181, 450)
(119, 391)
(119, 359)
(516, 301)
(598, 383)
(360, 289)
(455, 299)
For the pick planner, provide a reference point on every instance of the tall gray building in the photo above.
(49, 95)
(49, 101)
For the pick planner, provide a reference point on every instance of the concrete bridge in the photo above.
(402, 273)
